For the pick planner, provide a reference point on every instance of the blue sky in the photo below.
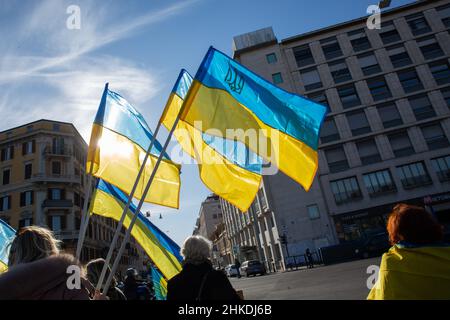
(49, 71)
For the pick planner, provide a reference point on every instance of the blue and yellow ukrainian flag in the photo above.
(109, 201)
(119, 140)
(226, 167)
(159, 284)
(226, 95)
(413, 272)
(7, 234)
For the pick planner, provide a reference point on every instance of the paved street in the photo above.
(341, 281)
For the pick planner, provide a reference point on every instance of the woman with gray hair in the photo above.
(198, 281)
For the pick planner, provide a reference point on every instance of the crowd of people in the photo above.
(416, 267)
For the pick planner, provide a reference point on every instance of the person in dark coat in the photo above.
(309, 258)
(198, 281)
(94, 269)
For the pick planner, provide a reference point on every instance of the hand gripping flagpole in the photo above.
(126, 208)
(138, 209)
(87, 194)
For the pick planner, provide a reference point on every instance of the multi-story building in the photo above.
(386, 137)
(209, 217)
(43, 182)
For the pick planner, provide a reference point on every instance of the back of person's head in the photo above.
(413, 224)
(196, 249)
(94, 269)
(31, 244)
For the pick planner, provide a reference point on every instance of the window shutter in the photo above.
(12, 152)
(63, 194)
(32, 197)
(49, 194)
(22, 199)
(33, 146)
(9, 202)
(24, 148)
(3, 154)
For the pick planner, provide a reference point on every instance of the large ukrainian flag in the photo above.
(109, 201)
(7, 234)
(119, 140)
(228, 168)
(226, 95)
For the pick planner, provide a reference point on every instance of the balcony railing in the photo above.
(66, 235)
(42, 177)
(48, 203)
(58, 151)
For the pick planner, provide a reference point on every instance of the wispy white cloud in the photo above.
(61, 71)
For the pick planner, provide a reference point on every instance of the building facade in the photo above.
(386, 137)
(209, 217)
(43, 182)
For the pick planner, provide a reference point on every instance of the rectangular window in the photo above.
(28, 147)
(26, 198)
(418, 24)
(56, 167)
(389, 115)
(349, 97)
(410, 80)
(345, 190)
(277, 78)
(379, 88)
(331, 48)
(319, 97)
(7, 153)
(303, 56)
(446, 95)
(5, 203)
(440, 71)
(368, 152)
(6, 178)
(329, 131)
(359, 40)
(358, 123)
(430, 48)
(339, 71)
(435, 136)
(313, 212)
(444, 14)
(379, 182)
(442, 168)
(421, 107)
(401, 144)
(28, 171)
(389, 33)
(271, 58)
(311, 79)
(336, 159)
(56, 194)
(369, 64)
(56, 127)
(399, 56)
(57, 223)
(26, 222)
(414, 175)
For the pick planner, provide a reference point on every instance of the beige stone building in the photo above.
(43, 182)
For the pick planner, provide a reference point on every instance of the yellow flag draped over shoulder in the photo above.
(410, 272)
(119, 140)
(109, 201)
(225, 95)
(228, 168)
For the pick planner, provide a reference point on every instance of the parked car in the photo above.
(231, 270)
(373, 246)
(252, 267)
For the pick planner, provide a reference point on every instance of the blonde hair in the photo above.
(31, 244)
(196, 249)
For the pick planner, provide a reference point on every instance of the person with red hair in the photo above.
(417, 266)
